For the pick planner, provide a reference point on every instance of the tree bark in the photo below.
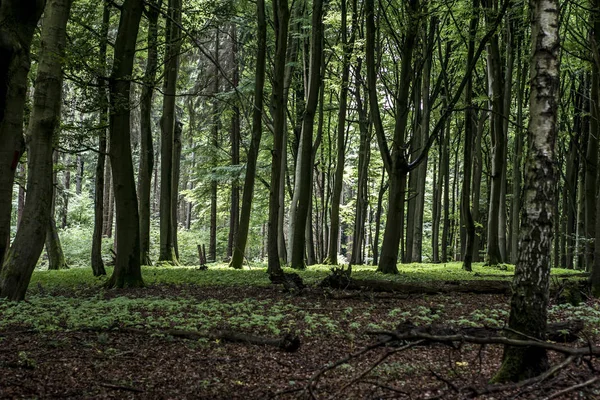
(127, 271)
(281, 18)
(470, 119)
(494, 256)
(529, 301)
(241, 238)
(99, 187)
(18, 20)
(146, 142)
(168, 121)
(43, 126)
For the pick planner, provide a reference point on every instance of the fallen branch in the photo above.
(416, 335)
(581, 385)
(120, 387)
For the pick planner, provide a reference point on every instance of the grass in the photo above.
(221, 275)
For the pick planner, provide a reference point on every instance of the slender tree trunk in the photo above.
(241, 238)
(341, 134)
(470, 120)
(146, 142)
(99, 192)
(109, 196)
(592, 180)
(176, 172)
(281, 18)
(216, 122)
(43, 124)
(235, 150)
(79, 174)
(18, 20)
(494, 256)
(127, 271)
(54, 252)
(66, 190)
(529, 301)
(167, 124)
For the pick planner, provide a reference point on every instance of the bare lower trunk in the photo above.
(19, 20)
(127, 272)
(529, 301)
(43, 125)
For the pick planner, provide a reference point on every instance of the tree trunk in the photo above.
(241, 238)
(494, 256)
(43, 126)
(281, 18)
(592, 180)
(234, 213)
(167, 124)
(127, 271)
(109, 196)
(97, 263)
(470, 119)
(529, 302)
(78, 174)
(177, 132)
(146, 142)
(216, 122)
(54, 252)
(19, 20)
(347, 45)
(306, 170)
(66, 189)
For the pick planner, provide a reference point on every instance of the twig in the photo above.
(526, 382)
(375, 364)
(446, 381)
(574, 387)
(120, 387)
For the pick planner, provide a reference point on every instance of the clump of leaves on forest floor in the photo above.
(70, 331)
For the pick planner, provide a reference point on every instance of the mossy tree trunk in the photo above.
(43, 126)
(529, 301)
(127, 272)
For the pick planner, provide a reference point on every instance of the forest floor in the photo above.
(73, 339)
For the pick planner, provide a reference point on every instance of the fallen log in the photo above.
(560, 332)
(340, 279)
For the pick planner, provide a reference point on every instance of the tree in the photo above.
(167, 123)
(281, 14)
(99, 186)
(127, 272)
(146, 146)
(43, 127)
(305, 159)
(241, 237)
(18, 20)
(529, 301)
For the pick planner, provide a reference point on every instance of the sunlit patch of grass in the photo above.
(222, 275)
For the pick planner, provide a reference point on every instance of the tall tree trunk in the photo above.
(281, 18)
(78, 174)
(241, 237)
(167, 124)
(43, 126)
(216, 122)
(127, 271)
(529, 302)
(305, 184)
(592, 181)
(470, 120)
(176, 172)
(109, 196)
(347, 45)
(18, 20)
(364, 154)
(146, 142)
(234, 212)
(494, 256)
(97, 263)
